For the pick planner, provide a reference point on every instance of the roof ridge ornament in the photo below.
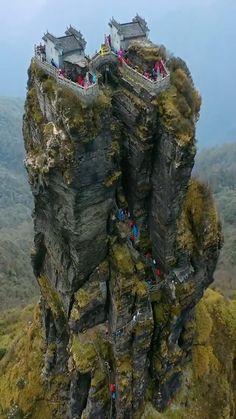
(142, 22)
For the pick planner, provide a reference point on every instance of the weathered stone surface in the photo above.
(103, 323)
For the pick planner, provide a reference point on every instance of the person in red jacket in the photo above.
(112, 388)
(113, 392)
(148, 255)
(132, 239)
(80, 80)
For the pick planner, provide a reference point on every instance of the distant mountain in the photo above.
(217, 166)
(11, 145)
(17, 284)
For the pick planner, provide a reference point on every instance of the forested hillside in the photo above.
(17, 285)
(11, 146)
(217, 166)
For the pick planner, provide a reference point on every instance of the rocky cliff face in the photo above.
(108, 317)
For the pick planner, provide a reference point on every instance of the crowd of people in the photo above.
(88, 78)
(40, 52)
(84, 80)
(122, 215)
(157, 72)
(153, 263)
(133, 237)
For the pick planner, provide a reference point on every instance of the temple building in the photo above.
(124, 33)
(68, 48)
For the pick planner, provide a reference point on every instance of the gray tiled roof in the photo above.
(72, 31)
(67, 43)
(50, 37)
(135, 29)
(131, 30)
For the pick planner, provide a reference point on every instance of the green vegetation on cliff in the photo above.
(146, 53)
(125, 294)
(199, 225)
(208, 384)
(81, 119)
(71, 116)
(23, 390)
(179, 106)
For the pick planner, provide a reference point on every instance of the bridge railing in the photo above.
(105, 57)
(88, 92)
(150, 85)
(138, 317)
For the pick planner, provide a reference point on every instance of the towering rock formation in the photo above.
(108, 318)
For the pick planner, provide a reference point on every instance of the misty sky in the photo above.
(202, 32)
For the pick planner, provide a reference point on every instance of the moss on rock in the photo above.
(33, 109)
(111, 180)
(23, 364)
(122, 260)
(52, 298)
(146, 53)
(199, 226)
(208, 383)
(124, 371)
(84, 355)
(179, 106)
(55, 151)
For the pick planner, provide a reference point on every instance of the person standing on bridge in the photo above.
(121, 214)
(121, 53)
(90, 78)
(146, 74)
(162, 68)
(135, 232)
(94, 78)
(53, 63)
(148, 256)
(87, 79)
(128, 62)
(154, 74)
(121, 56)
(113, 391)
(134, 318)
